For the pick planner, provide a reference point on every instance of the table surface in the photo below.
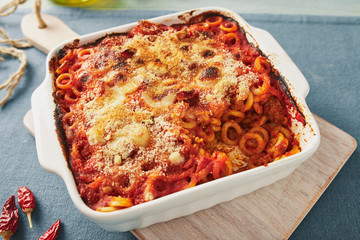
(322, 39)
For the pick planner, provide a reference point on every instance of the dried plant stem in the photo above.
(10, 7)
(19, 43)
(4, 10)
(11, 83)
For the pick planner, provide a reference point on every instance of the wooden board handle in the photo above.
(28, 122)
(47, 38)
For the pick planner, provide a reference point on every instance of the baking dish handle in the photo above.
(49, 152)
(283, 62)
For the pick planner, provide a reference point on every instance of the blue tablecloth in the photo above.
(326, 49)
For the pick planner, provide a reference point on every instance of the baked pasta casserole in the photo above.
(160, 109)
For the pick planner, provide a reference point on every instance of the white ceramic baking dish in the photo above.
(200, 197)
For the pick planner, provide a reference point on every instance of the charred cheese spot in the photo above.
(116, 79)
(208, 54)
(210, 73)
(120, 64)
(185, 48)
(84, 77)
(193, 66)
(61, 53)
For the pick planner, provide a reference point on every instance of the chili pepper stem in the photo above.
(29, 218)
(7, 234)
(26, 201)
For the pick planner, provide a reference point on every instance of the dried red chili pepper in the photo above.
(52, 233)
(9, 218)
(26, 201)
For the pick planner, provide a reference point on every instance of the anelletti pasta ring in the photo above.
(233, 114)
(262, 97)
(231, 39)
(68, 56)
(84, 54)
(263, 88)
(222, 165)
(63, 67)
(70, 96)
(252, 136)
(214, 21)
(249, 102)
(64, 81)
(262, 65)
(258, 108)
(283, 130)
(228, 26)
(277, 145)
(188, 124)
(262, 131)
(225, 132)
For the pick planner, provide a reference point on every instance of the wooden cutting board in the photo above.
(272, 212)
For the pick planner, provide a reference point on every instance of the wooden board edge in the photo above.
(29, 122)
(317, 197)
(137, 235)
(330, 179)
